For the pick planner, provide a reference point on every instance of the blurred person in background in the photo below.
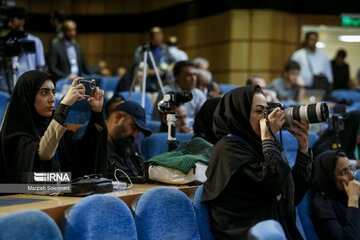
(340, 70)
(313, 62)
(177, 53)
(291, 86)
(66, 58)
(270, 95)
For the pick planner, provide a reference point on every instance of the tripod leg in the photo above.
(134, 80)
(144, 80)
(157, 73)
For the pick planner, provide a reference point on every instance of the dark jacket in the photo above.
(59, 64)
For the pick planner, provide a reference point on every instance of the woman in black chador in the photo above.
(33, 138)
(335, 205)
(249, 179)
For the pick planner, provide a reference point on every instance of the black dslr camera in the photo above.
(173, 99)
(311, 113)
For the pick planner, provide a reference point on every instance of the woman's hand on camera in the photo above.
(75, 93)
(276, 120)
(301, 133)
(96, 102)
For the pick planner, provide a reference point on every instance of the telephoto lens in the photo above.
(311, 113)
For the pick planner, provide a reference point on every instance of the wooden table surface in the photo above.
(57, 205)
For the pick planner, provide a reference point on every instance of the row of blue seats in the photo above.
(160, 213)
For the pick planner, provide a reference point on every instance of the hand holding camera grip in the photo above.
(75, 93)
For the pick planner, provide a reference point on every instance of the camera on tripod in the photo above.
(13, 44)
(311, 113)
(173, 99)
(336, 121)
(167, 105)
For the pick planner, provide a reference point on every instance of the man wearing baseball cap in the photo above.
(124, 125)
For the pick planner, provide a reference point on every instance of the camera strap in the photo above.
(277, 143)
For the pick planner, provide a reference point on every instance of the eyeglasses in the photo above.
(347, 172)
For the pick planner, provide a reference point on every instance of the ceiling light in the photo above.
(349, 38)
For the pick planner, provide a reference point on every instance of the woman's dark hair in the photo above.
(338, 155)
(113, 99)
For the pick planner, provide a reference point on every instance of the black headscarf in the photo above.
(237, 186)
(21, 105)
(21, 119)
(232, 117)
(323, 175)
(233, 113)
(204, 119)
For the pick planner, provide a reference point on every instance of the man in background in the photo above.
(181, 125)
(57, 19)
(185, 80)
(340, 70)
(124, 124)
(313, 62)
(291, 86)
(162, 57)
(270, 95)
(26, 61)
(177, 53)
(66, 58)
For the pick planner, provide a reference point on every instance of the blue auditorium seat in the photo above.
(303, 210)
(79, 112)
(202, 215)
(136, 97)
(224, 88)
(110, 83)
(100, 217)
(4, 98)
(357, 174)
(29, 225)
(343, 94)
(165, 213)
(153, 125)
(267, 230)
(290, 144)
(157, 143)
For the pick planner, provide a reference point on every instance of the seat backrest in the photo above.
(290, 144)
(4, 99)
(343, 94)
(100, 217)
(153, 125)
(111, 83)
(357, 175)
(136, 97)
(30, 225)
(157, 143)
(224, 88)
(267, 230)
(303, 210)
(80, 112)
(165, 213)
(202, 215)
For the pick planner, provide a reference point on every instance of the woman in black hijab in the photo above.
(33, 138)
(335, 205)
(249, 179)
(204, 119)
